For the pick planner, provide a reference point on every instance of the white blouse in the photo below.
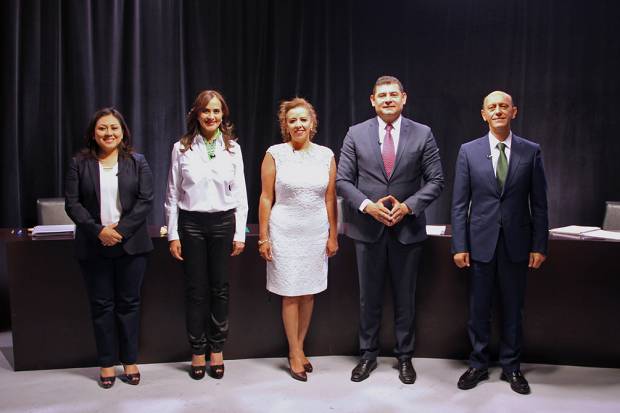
(198, 183)
(110, 203)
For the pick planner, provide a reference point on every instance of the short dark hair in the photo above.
(92, 149)
(386, 80)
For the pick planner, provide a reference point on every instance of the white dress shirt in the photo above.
(109, 202)
(198, 183)
(493, 141)
(395, 132)
(395, 138)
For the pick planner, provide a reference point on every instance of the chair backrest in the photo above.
(612, 216)
(51, 211)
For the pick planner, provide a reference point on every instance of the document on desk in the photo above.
(602, 234)
(435, 229)
(574, 231)
(51, 230)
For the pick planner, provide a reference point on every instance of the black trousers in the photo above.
(113, 286)
(206, 244)
(375, 262)
(511, 280)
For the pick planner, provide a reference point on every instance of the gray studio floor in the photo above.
(263, 385)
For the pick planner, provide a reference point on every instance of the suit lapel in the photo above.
(403, 140)
(92, 164)
(484, 157)
(123, 165)
(515, 159)
(373, 136)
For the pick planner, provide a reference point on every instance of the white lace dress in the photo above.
(298, 225)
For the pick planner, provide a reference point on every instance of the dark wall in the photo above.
(62, 59)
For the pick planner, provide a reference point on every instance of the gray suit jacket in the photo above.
(361, 175)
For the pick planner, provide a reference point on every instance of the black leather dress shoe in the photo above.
(363, 369)
(472, 377)
(517, 382)
(406, 372)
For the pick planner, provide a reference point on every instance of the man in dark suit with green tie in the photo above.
(499, 229)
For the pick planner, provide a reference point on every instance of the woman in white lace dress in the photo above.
(298, 228)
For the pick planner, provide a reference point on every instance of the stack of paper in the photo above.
(580, 232)
(53, 230)
(601, 234)
(435, 229)
(575, 231)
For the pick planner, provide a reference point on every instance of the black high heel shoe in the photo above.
(131, 378)
(197, 372)
(217, 371)
(106, 382)
(301, 376)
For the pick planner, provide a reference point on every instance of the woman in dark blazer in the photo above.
(108, 194)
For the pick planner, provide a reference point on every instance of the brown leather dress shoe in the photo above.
(517, 382)
(472, 377)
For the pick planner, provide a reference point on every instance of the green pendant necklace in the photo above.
(211, 144)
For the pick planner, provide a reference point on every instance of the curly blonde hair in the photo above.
(287, 105)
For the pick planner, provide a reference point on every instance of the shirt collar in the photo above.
(395, 124)
(493, 141)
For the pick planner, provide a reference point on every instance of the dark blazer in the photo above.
(479, 210)
(361, 175)
(82, 203)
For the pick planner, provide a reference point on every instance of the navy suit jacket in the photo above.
(82, 203)
(479, 210)
(361, 175)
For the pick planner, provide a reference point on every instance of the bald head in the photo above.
(498, 111)
(497, 94)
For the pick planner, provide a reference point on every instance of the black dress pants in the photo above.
(206, 244)
(376, 261)
(113, 286)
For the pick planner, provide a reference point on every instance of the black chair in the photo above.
(612, 216)
(51, 211)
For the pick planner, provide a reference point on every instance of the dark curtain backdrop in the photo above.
(63, 59)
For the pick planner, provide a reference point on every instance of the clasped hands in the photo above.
(109, 236)
(388, 217)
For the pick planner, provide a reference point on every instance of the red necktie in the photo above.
(387, 151)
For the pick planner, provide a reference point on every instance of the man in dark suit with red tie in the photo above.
(499, 229)
(389, 171)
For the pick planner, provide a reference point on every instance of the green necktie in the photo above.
(502, 166)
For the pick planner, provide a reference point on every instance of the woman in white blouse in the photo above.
(206, 210)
